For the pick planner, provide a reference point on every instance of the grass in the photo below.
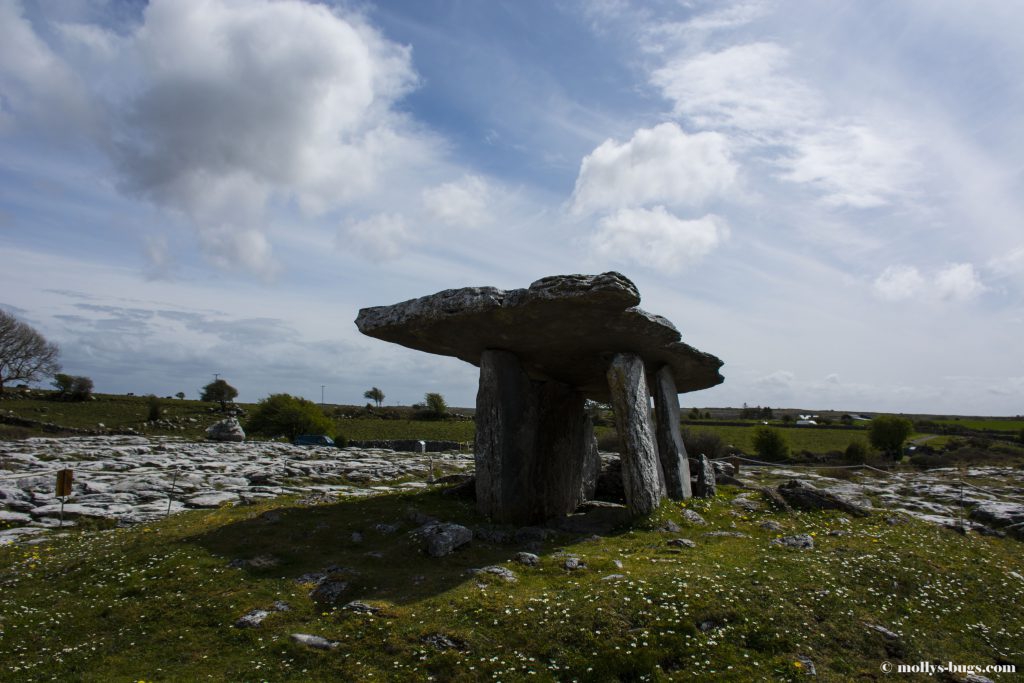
(1010, 425)
(799, 439)
(368, 429)
(158, 602)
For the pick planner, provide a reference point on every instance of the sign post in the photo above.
(64, 478)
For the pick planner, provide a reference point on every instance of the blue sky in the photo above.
(825, 195)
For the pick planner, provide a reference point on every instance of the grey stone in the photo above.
(316, 642)
(385, 528)
(883, 630)
(503, 573)
(641, 477)
(572, 563)
(682, 543)
(226, 430)
(726, 534)
(529, 559)
(613, 577)
(440, 641)
(328, 591)
(693, 517)
(212, 500)
(674, 464)
(802, 495)
(770, 525)
(361, 607)
(561, 327)
(252, 618)
(807, 664)
(442, 538)
(532, 442)
(705, 487)
(801, 541)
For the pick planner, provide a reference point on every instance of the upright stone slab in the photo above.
(631, 400)
(705, 478)
(531, 443)
(671, 451)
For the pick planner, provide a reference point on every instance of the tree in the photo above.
(770, 444)
(435, 404)
(155, 408)
(857, 452)
(888, 432)
(72, 387)
(180, 395)
(375, 395)
(219, 391)
(284, 414)
(25, 355)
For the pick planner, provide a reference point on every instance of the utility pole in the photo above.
(322, 396)
(216, 376)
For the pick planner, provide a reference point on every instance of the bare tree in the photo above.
(25, 355)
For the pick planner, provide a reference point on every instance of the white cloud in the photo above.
(1009, 263)
(897, 283)
(220, 108)
(382, 237)
(957, 282)
(661, 165)
(778, 381)
(657, 239)
(463, 203)
(749, 91)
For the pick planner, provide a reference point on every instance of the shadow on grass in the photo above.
(388, 563)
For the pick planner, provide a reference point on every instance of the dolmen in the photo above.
(542, 351)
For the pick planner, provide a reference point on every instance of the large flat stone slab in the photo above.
(564, 328)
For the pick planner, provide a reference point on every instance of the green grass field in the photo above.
(373, 430)
(1007, 425)
(158, 602)
(798, 438)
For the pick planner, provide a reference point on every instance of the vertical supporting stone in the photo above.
(674, 463)
(591, 463)
(631, 400)
(531, 443)
(705, 478)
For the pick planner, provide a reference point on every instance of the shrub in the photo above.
(888, 432)
(291, 416)
(434, 407)
(72, 387)
(180, 395)
(703, 441)
(219, 391)
(856, 453)
(155, 409)
(770, 444)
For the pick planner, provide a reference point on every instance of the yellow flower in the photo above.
(798, 665)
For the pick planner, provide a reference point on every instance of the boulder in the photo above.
(705, 486)
(442, 538)
(226, 430)
(561, 328)
(804, 496)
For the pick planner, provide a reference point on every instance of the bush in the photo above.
(433, 407)
(155, 409)
(856, 453)
(888, 432)
(283, 414)
(72, 387)
(770, 444)
(701, 441)
(219, 391)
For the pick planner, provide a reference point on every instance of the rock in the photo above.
(15, 517)
(560, 327)
(682, 543)
(212, 500)
(572, 563)
(884, 631)
(675, 466)
(71, 511)
(774, 499)
(705, 487)
(361, 607)
(529, 559)
(503, 573)
(316, 642)
(356, 537)
(724, 469)
(613, 577)
(807, 665)
(693, 517)
(328, 591)
(226, 430)
(744, 502)
(386, 528)
(1001, 514)
(252, 619)
(802, 541)
(442, 538)
(770, 525)
(440, 641)
(641, 470)
(802, 495)
(670, 527)
(726, 534)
